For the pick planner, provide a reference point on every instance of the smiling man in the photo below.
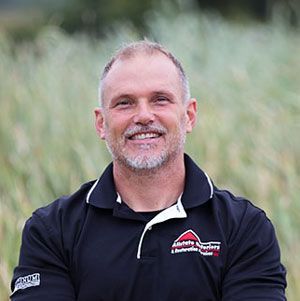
(153, 226)
(144, 117)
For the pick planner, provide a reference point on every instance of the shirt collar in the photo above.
(198, 187)
(103, 193)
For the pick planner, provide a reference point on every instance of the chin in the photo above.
(149, 162)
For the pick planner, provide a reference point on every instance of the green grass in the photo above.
(246, 78)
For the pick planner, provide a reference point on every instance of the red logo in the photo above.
(190, 242)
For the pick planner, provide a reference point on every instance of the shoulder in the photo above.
(240, 217)
(236, 207)
(72, 203)
(247, 229)
(62, 217)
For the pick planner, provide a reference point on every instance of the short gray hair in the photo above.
(147, 47)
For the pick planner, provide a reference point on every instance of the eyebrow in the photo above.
(162, 92)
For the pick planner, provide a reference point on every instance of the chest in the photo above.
(179, 260)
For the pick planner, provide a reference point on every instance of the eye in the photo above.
(123, 102)
(160, 99)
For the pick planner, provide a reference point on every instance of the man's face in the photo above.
(144, 120)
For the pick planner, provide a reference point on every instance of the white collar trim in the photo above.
(175, 211)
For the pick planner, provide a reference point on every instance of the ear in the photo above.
(99, 123)
(191, 113)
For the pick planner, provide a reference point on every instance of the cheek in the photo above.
(115, 126)
(175, 120)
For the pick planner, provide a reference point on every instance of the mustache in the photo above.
(144, 129)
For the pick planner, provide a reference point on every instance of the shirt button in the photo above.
(150, 228)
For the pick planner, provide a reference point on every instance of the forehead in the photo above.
(141, 73)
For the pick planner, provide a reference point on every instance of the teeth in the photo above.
(144, 136)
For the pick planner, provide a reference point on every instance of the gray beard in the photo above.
(145, 163)
(140, 162)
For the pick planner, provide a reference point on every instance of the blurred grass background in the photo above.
(246, 77)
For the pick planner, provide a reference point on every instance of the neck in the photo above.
(150, 190)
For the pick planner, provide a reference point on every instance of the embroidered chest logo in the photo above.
(190, 242)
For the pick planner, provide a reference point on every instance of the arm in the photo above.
(42, 273)
(254, 271)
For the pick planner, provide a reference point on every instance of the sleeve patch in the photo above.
(27, 281)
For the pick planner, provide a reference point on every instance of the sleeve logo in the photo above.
(190, 242)
(27, 281)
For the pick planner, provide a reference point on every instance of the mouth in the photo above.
(143, 133)
(144, 136)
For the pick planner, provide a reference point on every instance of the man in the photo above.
(153, 226)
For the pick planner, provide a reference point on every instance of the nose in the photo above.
(143, 114)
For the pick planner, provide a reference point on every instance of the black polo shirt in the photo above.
(210, 245)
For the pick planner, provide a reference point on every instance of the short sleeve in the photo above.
(254, 271)
(42, 272)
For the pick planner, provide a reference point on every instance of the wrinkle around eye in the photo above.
(122, 103)
(162, 97)
(162, 100)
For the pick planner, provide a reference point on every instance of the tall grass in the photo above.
(247, 81)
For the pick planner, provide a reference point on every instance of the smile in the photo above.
(143, 136)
